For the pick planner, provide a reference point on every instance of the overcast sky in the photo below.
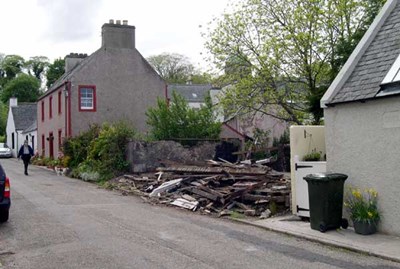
(54, 28)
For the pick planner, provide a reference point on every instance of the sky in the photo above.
(55, 28)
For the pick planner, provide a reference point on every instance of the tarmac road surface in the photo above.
(58, 222)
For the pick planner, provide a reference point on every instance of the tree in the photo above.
(176, 68)
(10, 67)
(55, 71)
(37, 66)
(24, 87)
(3, 118)
(178, 120)
(281, 54)
(347, 43)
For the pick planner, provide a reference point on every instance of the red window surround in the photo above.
(59, 102)
(59, 139)
(43, 145)
(50, 107)
(87, 98)
(42, 110)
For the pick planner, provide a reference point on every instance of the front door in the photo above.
(51, 145)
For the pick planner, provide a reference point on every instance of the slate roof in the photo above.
(193, 93)
(364, 81)
(24, 115)
(31, 128)
(67, 75)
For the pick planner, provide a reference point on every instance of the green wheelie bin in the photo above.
(325, 194)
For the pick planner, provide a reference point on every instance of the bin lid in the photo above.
(325, 177)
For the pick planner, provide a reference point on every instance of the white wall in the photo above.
(304, 139)
(10, 128)
(363, 141)
(32, 140)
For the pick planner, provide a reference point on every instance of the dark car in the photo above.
(5, 196)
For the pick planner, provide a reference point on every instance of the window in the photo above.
(87, 98)
(42, 110)
(59, 139)
(43, 145)
(12, 141)
(59, 102)
(51, 107)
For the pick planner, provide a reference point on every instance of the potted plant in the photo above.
(363, 209)
(314, 156)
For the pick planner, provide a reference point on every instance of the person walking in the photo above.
(25, 153)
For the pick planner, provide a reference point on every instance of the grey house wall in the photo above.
(126, 87)
(363, 141)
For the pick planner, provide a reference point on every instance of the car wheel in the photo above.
(4, 215)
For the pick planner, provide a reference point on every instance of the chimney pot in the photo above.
(118, 21)
(125, 22)
(111, 21)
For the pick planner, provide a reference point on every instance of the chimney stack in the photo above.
(13, 101)
(119, 36)
(73, 59)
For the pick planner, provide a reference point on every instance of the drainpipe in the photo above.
(67, 105)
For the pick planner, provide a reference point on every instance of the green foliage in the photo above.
(347, 43)
(55, 71)
(176, 68)
(314, 156)
(236, 215)
(281, 56)
(178, 120)
(3, 118)
(10, 67)
(76, 148)
(362, 205)
(37, 66)
(107, 152)
(2, 138)
(25, 87)
(283, 139)
(99, 153)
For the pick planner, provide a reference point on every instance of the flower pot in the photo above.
(365, 228)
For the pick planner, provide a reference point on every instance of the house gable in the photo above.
(364, 71)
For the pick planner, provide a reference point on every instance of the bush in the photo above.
(177, 120)
(107, 152)
(99, 153)
(75, 149)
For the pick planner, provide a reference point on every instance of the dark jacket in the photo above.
(21, 151)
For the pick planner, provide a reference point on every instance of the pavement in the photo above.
(378, 245)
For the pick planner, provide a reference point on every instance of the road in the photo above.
(58, 222)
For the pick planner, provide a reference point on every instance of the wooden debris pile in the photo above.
(218, 188)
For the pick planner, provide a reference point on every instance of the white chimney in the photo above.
(13, 101)
(111, 21)
(125, 22)
(119, 22)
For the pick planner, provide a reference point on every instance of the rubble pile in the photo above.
(218, 188)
